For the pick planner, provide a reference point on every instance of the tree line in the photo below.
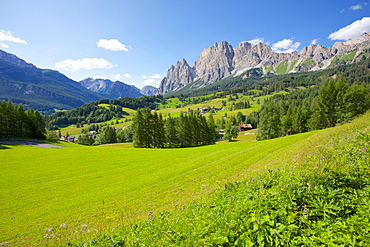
(16, 122)
(335, 102)
(150, 130)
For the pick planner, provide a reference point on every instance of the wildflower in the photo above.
(48, 229)
(84, 226)
(49, 236)
(63, 225)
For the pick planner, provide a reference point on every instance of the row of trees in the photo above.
(16, 122)
(188, 130)
(334, 103)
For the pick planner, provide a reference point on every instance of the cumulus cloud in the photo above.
(111, 44)
(151, 80)
(256, 41)
(352, 30)
(86, 63)
(7, 36)
(285, 46)
(127, 75)
(314, 41)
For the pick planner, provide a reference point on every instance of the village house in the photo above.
(245, 127)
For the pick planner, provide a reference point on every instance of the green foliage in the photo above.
(150, 131)
(338, 102)
(15, 122)
(269, 122)
(88, 113)
(300, 111)
(231, 131)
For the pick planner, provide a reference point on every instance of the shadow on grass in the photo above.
(7, 145)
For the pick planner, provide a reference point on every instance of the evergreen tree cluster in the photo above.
(188, 130)
(241, 105)
(140, 102)
(16, 122)
(333, 103)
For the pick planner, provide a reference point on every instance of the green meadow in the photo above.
(101, 187)
(53, 197)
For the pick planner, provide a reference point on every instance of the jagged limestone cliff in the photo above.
(222, 60)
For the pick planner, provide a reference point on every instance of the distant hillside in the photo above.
(149, 90)
(41, 89)
(112, 90)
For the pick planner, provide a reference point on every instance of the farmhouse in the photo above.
(244, 127)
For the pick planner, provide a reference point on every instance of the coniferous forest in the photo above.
(188, 130)
(16, 122)
(335, 102)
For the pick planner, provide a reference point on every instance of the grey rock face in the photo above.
(221, 60)
(178, 76)
(215, 62)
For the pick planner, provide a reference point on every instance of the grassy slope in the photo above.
(43, 188)
(91, 189)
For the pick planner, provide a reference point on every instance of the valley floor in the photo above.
(58, 196)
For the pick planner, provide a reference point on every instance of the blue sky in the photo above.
(137, 41)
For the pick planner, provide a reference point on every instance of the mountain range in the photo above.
(221, 61)
(49, 90)
(113, 90)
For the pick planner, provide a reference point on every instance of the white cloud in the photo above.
(285, 46)
(2, 45)
(256, 41)
(112, 44)
(116, 77)
(127, 75)
(151, 80)
(352, 30)
(86, 63)
(8, 36)
(314, 41)
(356, 7)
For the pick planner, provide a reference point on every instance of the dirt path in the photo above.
(32, 143)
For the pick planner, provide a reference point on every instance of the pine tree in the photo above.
(137, 127)
(269, 125)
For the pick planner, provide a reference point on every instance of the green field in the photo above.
(59, 196)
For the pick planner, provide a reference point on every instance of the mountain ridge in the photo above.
(222, 60)
(41, 89)
(113, 90)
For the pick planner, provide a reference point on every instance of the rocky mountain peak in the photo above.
(215, 62)
(177, 77)
(221, 60)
